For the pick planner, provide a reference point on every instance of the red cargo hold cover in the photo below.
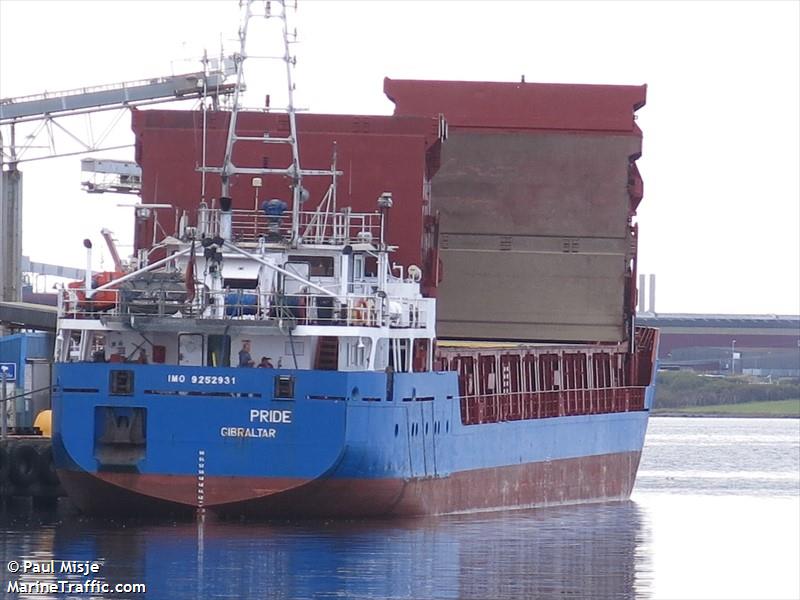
(480, 104)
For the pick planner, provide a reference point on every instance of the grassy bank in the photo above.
(768, 408)
(680, 390)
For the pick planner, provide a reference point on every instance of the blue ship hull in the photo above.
(280, 442)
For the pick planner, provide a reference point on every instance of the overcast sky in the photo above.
(720, 220)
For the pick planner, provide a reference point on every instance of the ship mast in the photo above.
(297, 176)
(293, 171)
(227, 162)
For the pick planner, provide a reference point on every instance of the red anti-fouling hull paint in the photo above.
(565, 481)
(109, 492)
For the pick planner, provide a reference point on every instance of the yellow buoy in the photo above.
(44, 421)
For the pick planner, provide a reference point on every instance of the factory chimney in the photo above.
(652, 307)
(640, 295)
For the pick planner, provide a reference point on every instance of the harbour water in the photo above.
(715, 514)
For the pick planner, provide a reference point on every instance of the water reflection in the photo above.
(754, 457)
(588, 551)
(716, 514)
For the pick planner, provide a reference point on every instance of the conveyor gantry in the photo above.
(186, 86)
(49, 107)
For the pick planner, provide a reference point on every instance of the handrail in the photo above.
(303, 307)
(335, 228)
(525, 405)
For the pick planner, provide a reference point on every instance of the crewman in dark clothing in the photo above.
(245, 360)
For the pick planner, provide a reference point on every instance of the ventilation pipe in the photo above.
(344, 271)
(87, 274)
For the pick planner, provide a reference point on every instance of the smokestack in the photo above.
(87, 274)
(344, 272)
(652, 308)
(640, 295)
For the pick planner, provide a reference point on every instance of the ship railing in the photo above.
(515, 406)
(357, 311)
(74, 303)
(157, 302)
(300, 308)
(335, 228)
(303, 308)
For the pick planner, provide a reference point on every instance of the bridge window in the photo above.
(318, 266)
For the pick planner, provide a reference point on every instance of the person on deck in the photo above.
(266, 363)
(245, 360)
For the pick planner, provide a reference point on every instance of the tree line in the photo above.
(677, 389)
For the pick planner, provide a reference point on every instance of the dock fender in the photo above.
(47, 468)
(24, 465)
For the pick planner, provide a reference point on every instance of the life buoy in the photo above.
(47, 468)
(24, 465)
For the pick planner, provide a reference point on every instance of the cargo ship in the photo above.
(277, 356)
